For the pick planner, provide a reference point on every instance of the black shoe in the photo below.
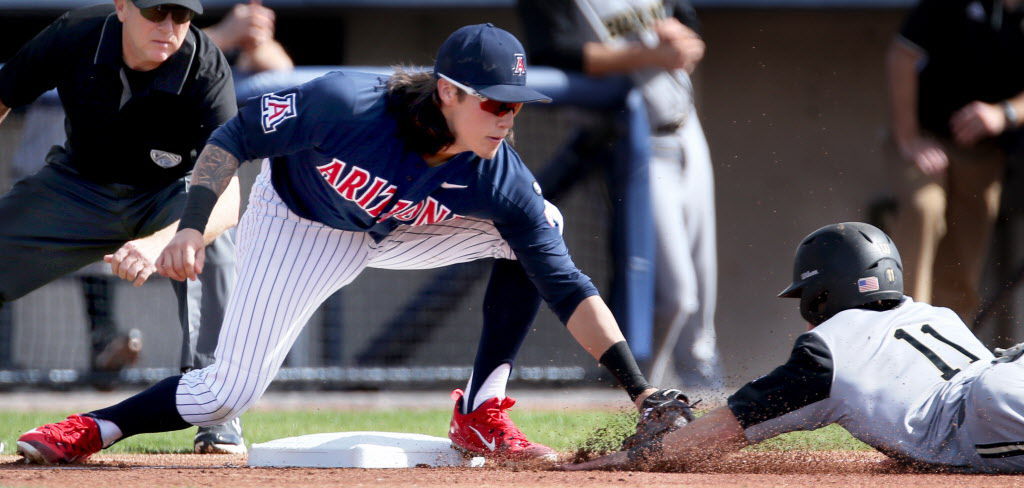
(220, 439)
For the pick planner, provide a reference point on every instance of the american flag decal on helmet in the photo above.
(865, 285)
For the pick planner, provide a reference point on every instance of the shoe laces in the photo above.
(78, 435)
(497, 414)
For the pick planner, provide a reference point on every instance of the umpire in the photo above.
(142, 89)
(956, 99)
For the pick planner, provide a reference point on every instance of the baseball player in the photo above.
(246, 37)
(142, 90)
(403, 172)
(657, 44)
(905, 377)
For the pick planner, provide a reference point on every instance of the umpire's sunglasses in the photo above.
(487, 105)
(158, 13)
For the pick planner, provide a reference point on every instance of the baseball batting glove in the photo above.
(1009, 355)
(662, 412)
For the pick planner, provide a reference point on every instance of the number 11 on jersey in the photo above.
(947, 371)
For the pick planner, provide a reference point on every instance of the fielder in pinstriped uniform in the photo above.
(905, 377)
(410, 171)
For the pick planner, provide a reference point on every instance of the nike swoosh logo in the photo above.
(490, 445)
(453, 186)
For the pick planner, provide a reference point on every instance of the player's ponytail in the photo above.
(413, 101)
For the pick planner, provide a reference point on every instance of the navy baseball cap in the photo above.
(193, 5)
(489, 60)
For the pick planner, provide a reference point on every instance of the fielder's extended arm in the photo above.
(184, 256)
(593, 326)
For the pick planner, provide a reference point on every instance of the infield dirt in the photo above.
(791, 469)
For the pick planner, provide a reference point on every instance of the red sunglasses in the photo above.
(500, 108)
(156, 14)
(486, 104)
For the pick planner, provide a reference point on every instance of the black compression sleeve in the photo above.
(620, 361)
(198, 208)
(805, 379)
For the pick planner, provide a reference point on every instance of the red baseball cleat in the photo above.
(488, 431)
(72, 440)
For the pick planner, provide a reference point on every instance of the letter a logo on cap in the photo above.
(520, 67)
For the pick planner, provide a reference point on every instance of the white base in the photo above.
(359, 450)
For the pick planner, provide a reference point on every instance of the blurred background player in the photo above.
(905, 377)
(657, 43)
(956, 99)
(131, 80)
(246, 36)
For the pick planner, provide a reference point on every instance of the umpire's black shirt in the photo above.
(973, 50)
(138, 128)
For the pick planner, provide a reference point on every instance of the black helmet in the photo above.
(843, 266)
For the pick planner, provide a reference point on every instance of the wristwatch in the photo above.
(1010, 113)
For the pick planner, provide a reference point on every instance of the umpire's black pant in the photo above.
(55, 222)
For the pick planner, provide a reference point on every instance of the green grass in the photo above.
(562, 430)
(828, 438)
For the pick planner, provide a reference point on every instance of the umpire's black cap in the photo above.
(193, 5)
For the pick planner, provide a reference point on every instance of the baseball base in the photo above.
(359, 450)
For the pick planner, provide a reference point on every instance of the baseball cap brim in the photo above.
(193, 5)
(512, 94)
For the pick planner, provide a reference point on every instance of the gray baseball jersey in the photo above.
(669, 95)
(680, 174)
(913, 382)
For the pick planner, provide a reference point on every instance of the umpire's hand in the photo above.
(135, 261)
(183, 257)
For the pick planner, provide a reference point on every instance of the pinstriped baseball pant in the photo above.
(287, 267)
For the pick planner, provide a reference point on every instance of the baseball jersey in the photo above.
(894, 379)
(336, 158)
(668, 94)
(123, 126)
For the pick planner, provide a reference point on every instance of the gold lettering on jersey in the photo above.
(373, 193)
(634, 21)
